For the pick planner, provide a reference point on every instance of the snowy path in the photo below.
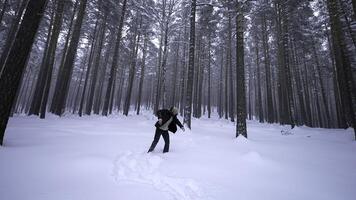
(92, 158)
(144, 168)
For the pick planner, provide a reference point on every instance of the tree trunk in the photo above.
(175, 73)
(42, 77)
(132, 70)
(63, 81)
(159, 69)
(79, 85)
(188, 97)
(142, 74)
(221, 107)
(91, 55)
(343, 66)
(54, 102)
(270, 109)
(259, 90)
(114, 62)
(209, 77)
(240, 75)
(18, 55)
(93, 84)
(11, 35)
(322, 89)
(49, 63)
(2, 12)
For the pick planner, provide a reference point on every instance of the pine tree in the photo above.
(110, 86)
(16, 61)
(189, 91)
(240, 74)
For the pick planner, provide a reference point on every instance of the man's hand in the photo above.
(160, 121)
(183, 129)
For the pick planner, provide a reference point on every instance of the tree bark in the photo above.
(343, 66)
(11, 35)
(49, 63)
(142, 74)
(62, 85)
(240, 75)
(97, 57)
(132, 70)
(113, 69)
(188, 97)
(18, 55)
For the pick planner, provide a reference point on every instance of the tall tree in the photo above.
(62, 85)
(240, 74)
(110, 85)
(189, 91)
(15, 64)
(343, 65)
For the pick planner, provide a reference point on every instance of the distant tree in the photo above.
(63, 81)
(113, 68)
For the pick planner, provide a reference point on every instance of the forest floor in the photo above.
(92, 158)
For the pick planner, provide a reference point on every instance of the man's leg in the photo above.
(155, 140)
(165, 136)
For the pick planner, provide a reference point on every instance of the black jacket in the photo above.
(165, 115)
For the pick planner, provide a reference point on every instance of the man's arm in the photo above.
(178, 122)
(159, 114)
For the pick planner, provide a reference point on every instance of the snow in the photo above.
(98, 157)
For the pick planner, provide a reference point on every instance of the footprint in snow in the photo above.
(144, 169)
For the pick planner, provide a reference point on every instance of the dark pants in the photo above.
(165, 136)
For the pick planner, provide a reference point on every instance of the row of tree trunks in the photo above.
(64, 76)
(344, 72)
(97, 59)
(142, 74)
(40, 99)
(132, 70)
(269, 107)
(112, 77)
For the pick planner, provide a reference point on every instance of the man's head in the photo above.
(174, 110)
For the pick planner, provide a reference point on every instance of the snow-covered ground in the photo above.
(95, 157)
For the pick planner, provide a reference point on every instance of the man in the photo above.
(167, 121)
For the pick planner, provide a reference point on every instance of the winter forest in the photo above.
(274, 70)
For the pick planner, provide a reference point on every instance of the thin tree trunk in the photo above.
(209, 77)
(54, 103)
(101, 38)
(142, 74)
(132, 70)
(221, 110)
(270, 109)
(51, 57)
(188, 100)
(229, 64)
(62, 85)
(259, 90)
(113, 68)
(79, 85)
(323, 95)
(91, 56)
(42, 77)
